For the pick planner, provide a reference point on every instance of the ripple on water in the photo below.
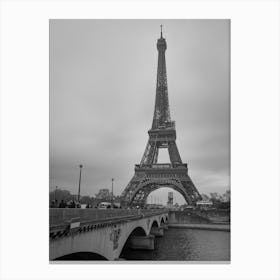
(186, 244)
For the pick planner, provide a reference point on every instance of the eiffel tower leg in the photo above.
(126, 196)
(192, 192)
(150, 154)
(174, 153)
(155, 158)
(146, 152)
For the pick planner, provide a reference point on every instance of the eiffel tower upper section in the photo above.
(163, 133)
(161, 113)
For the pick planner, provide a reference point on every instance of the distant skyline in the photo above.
(102, 93)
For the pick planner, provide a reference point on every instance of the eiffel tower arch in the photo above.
(149, 174)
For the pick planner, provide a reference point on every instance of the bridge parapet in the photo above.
(64, 221)
(62, 215)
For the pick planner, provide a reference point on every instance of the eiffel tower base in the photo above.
(150, 178)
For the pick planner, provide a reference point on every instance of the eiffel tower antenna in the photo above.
(149, 175)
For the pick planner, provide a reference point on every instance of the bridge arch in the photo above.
(155, 223)
(138, 231)
(81, 256)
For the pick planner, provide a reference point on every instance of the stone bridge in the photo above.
(103, 233)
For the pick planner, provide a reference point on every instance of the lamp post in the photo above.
(81, 166)
(55, 195)
(112, 203)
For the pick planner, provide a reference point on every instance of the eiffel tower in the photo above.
(149, 175)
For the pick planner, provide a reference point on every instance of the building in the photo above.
(170, 198)
(170, 201)
(214, 196)
(204, 204)
(226, 196)
(204, 196)
(104, 194)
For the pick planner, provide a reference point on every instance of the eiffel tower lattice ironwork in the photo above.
(149, 175)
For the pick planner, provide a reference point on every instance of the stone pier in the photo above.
(142, 242)
(157, 231)
(165, 226)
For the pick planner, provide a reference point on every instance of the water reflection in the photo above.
(186, 244)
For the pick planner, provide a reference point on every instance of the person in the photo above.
(62, 204)
(72, 204)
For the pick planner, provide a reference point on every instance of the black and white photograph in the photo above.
(139, 140)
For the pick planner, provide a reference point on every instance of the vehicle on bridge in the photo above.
(104, 205)
(108, 205)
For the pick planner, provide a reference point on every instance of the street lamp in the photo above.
(55, 194)
(81, 166)
(112, 193)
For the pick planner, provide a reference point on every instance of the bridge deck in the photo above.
(62, 217)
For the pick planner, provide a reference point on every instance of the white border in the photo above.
(254, 138)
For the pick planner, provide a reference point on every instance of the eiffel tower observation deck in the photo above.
(149, 174)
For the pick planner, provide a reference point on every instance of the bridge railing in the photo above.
(60, 216)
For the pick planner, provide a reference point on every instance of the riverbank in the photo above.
(190, 216)
(216, 227)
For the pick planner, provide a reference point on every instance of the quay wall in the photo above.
(182, 217)
(215, 227)
(198, 217)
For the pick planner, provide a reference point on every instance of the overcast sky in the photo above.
(102, 93)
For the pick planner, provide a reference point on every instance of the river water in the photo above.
(185, 245)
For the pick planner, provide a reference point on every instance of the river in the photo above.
(185, 245)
